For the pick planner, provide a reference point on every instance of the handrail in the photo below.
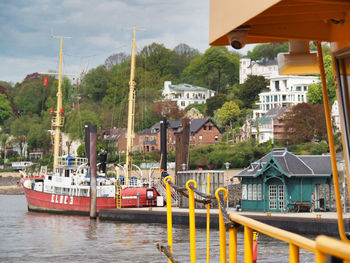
(275, 232)
(327, 245)
(341, 228)
(323, 247)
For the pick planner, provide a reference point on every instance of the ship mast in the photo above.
(58, 120)
(131, 113)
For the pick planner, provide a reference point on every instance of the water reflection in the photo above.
(37, 237)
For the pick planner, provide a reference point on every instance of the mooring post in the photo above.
(93, 171)
(163, 144)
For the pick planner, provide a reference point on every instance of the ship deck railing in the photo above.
(72, 161)
(325, 249)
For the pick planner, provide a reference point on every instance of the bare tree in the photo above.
(115, 59)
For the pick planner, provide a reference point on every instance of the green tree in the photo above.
(4, 139)
(76, 120)
(38, 138)
(155, 58)
(314, 94)
(94, 84)
(20, 129)
(268, 50)
(5, 109)
(250, 89)
(216, 69)
(229, 112)
(215, 103)
(182, 56)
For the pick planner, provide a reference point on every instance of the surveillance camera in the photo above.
(238, 37)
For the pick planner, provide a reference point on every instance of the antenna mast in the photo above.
(58, 120)
(131, 111)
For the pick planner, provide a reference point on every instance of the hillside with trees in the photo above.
(101, 95)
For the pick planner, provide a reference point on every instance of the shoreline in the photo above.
(10, 184)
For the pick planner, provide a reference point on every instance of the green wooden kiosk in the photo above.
(284, 182)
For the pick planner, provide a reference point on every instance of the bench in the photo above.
(301, 207)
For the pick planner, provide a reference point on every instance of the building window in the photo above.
(275, 98)
(182, 103)
(216, 138)
(244, 192)
(272, 196)
(298, 88)
(200, 137)
(281, 197)
(204, 127)
(259, 191)
(152, 148)
(255, 193)
(210, 128)
(277, 85)
(250, 193)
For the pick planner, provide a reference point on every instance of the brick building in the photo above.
(202, 132)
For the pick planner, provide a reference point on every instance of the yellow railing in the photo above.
(323, 247)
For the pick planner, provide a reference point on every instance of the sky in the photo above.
(97, 28)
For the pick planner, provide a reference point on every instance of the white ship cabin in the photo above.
(72, 178)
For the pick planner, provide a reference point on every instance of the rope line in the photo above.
(183, 191)
(225, 215)
(166, 251)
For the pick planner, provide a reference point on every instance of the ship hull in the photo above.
(64, 204)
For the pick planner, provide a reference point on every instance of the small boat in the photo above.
(67, 189)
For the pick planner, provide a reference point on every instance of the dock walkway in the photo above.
(304, 223)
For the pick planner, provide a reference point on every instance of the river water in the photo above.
(37, 237)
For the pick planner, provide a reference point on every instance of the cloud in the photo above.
(96, 28)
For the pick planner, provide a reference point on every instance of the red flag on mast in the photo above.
(46, 81)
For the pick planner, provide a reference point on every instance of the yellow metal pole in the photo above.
(320, 257)
(169, 213)
(332, 246)
(192, 219)
(59, 107)
(131, 112)
(59, 120)
(293, 253)
(248, 245)
(232, 245)
(222, 228)
(208, 219)
(341, 228)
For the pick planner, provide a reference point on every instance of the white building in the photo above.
(335, 116)
(186, 94)
(266, 68)
(270, 126)
(285, 91)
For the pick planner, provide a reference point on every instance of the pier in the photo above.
(303, 223)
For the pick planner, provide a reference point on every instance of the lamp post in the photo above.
(5, 156)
